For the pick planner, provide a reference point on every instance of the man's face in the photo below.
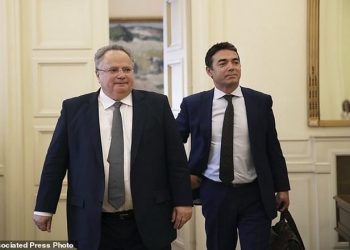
(115, 74)
(225, 70)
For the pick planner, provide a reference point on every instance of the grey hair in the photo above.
(103, 50)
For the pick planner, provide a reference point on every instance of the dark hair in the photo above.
(215, 48)
(102, 51)
(346, 106)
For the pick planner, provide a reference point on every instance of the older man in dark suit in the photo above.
(235, 158)
(153, 184)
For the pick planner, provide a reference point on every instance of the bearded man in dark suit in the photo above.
(241, 189)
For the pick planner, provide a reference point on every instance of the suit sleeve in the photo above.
(179, 175)
(54, 169)
(183, 122)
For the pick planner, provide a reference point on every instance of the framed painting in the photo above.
(144, 38)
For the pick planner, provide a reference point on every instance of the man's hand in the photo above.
(282, 201)
(180, 216)
(195, 181)
(43, 222)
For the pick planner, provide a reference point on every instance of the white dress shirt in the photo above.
(106, 108)
(244, 169)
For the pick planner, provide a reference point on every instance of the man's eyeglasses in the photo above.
(116, 70)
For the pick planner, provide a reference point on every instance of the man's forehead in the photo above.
(225, 54)
(116, 58)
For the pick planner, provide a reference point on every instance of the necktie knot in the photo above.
(117, 104)
(228, 98)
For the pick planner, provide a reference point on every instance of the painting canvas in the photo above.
(145, 41)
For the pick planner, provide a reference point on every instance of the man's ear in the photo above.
(209, 72)
(97, 76)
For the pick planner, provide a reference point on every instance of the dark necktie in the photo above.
(226, 154)
(116, 192)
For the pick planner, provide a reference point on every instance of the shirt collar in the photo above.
(219, 94)
(107, 102)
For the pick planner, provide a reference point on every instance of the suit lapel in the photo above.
(206, 116)
(138, 121)
(251, 114)
(93, 123)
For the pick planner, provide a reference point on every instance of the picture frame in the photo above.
(144, 38)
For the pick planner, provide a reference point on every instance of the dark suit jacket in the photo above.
(195, 119)
(159, 173)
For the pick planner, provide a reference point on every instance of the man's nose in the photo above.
(120, 75)
(231, 66)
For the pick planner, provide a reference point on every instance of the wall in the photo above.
(135, 9)
(2, 116)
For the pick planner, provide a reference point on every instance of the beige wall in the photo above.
(271, 37)
(135, 9)
(3, 109)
